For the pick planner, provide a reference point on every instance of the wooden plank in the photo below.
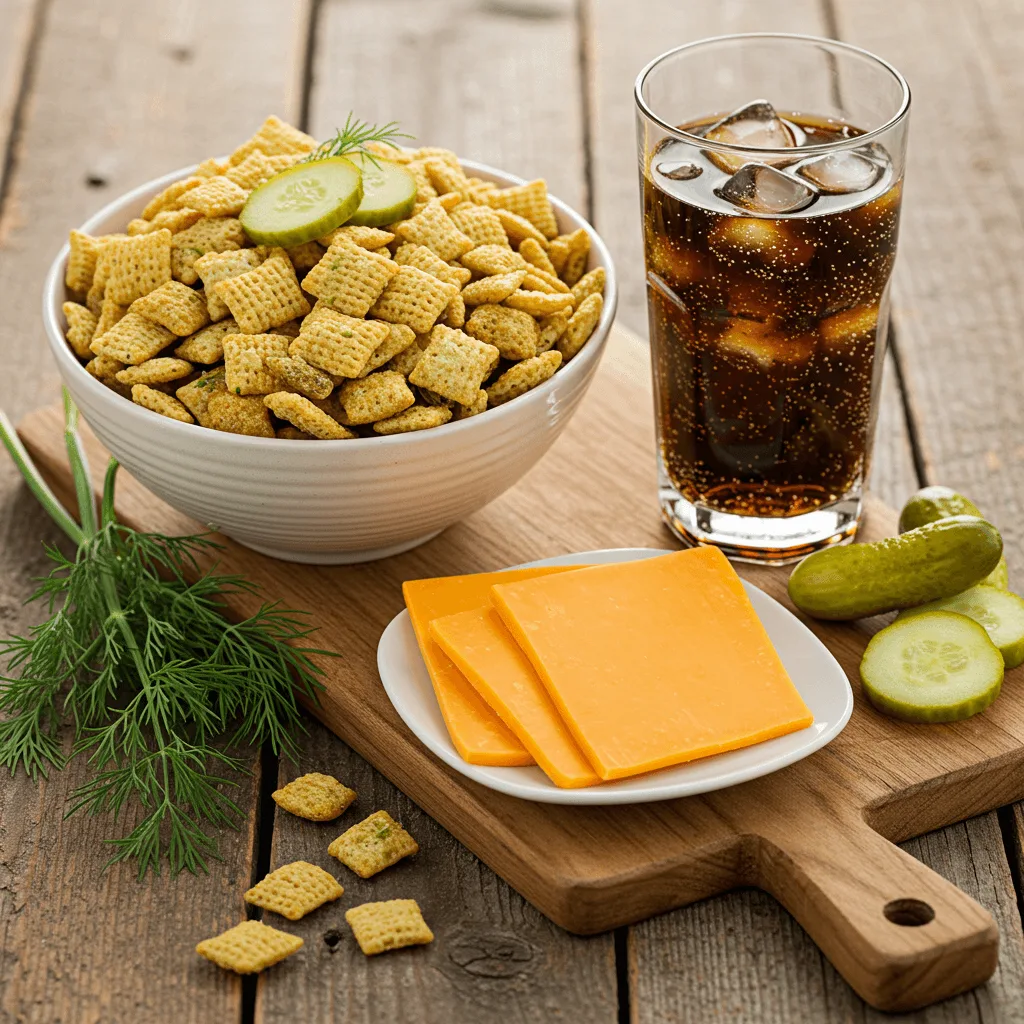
(20, 19)
(121, 92)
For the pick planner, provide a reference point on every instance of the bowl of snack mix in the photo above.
(345, 397)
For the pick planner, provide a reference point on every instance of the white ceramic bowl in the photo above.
(328, 502)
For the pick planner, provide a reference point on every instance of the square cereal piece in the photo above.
(307, 255)
(111, 312)
(533, 252)
(406, 360)
(315, 797)
(463, 412)
(337, 343)
(211, 234)
(375, 397)
(390, 924)
(552, 327)
(477, 190)
(541, 281)
(358, 234)
(445, 176)
(576, 257)
(207, 346)
(155, 371)
(81, 328)
(581, 325)
(157, 401)
(290, 433)
(265, 297)
(529, 201)
(196, 395)
(219, 266)
(98, 289)
(174, 220)
(249, 947)
(422, 258)
(294, 890)
(210, 167)
(302, 413)
(168, 198)
(216, 197)
(589, 284)
(493, 289)
(136, 266)
(244, 370)
(133, 339)
(349, 278)
(374, 844)
(300, 376)
(82, 255)
(512, 332)
(455, 312)
(518, 228)
(454, 365)
(175, 306)
(425, 153)
(425, 191)
(237, 415)
(523, 377)
(449, 201)
(255, 169)
(275, 138)
(399, 339)
(419, 417)
(433, 227)
(480, 223)
(558, 252)
(414, 298)
(487, 260)
(539, 303)
(104, 368)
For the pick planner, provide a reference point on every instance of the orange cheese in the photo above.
(655, 662)
(477, 732)
(484, 651)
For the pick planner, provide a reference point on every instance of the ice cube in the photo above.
(679, 170)
(842, 334)
(763, 189)
(755, 125)
(754, 342)
(775, 243)
(841, 173)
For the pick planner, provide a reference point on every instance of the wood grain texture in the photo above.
(621, 864)
(494, 956)
(119, 92)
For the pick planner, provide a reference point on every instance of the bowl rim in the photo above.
(577, 368)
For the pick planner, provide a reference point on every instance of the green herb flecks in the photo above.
(138, 658)
(355, 137)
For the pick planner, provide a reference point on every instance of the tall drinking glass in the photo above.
(771, 168)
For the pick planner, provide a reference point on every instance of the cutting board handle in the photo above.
(899, 933)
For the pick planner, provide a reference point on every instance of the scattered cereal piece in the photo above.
(422, 258)
(477, 190)
(455, 312)
(315, 796)
(237, 415)
(449, 201)
(349, 278)
(433, 227)
(275, 138)
(81, 328)
(425, 153)
(487, 260)
(391, 924)
(294, 890)
(216, 197)
(155, 371)
(529, 201)
(363, 236)
(375, 397)
(463, 412)
(111, 312)
(265, 297)
(211, 234)
(414, 298)
(492, 289)
(136, 266)
(196, 395)
(104, 368)
(209, 167)
(511, 331)
(337, 343)
(173, 220)
(207, 346)
(589, 284)
(219, 266)
(302, 413)
(174, 305)
(168, 198)
(300, 376)
(444, 175)
(133, 339)
(406, 360)
(98, 289)
(480, 223)
(454, 365)
(83, 253)
(539, 303)
(558, 253)
(576, 258)
(157, 401)
(523, 377)
(390, 152)
(541, 281)
(398, 340)
(244, 370)
(425, 191)
(308, 255)
(255, 169)
(249, 947)
(518, 228)
(581, 325)
(533, 252)
(552, 327)
(374, 844)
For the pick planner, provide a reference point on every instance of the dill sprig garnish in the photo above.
(155, 682)
(355, 136)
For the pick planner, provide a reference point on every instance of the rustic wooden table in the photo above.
(96, 96)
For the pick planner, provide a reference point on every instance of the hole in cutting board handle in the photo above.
(908, 913)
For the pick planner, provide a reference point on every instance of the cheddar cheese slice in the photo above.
(654, 662)
(484, 651)
(477, 732)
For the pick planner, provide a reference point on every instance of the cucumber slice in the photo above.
(389, 191)
(1000, 612)
(937, 666)
(304, 202)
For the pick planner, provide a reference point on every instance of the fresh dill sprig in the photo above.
(355, 136)
(138, 657)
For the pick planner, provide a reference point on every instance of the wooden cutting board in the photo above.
(818, 835)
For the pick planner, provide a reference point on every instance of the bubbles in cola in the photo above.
(763, 189)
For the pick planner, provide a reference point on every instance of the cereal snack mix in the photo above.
(468, 299)
(249, 947)
(294, 890)
(391, 924)
(314, 796)
(374, 844)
